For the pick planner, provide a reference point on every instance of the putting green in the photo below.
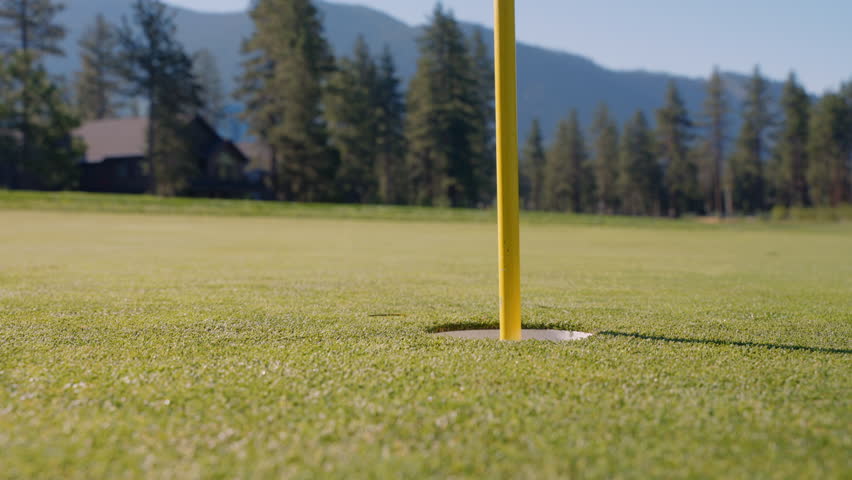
(197, 346)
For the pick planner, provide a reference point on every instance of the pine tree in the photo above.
(212, 93)
(712, 168)
(287, 64)
(639, 176)
(567, 177)
(846, 91)
(50, 122)
(790, 162)
(747, 163)
(263, 110)
(829, 149)
(485, 160)
(425, 160)
(8, 142)
(533, 162)
(352, 114)
(157, 67)
(174, 164)
(605, 161)
(98, 87)
(674, 135)
(28, 27)
(390, 132)
(444, 118)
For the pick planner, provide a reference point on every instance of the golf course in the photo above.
(143, 337)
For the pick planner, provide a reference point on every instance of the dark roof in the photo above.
(10, 133)
(126, 137)
(112, 138)
(235, 149)
(259, 155)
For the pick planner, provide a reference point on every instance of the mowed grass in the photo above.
(180, 346)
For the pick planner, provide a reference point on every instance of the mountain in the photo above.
(549, 82)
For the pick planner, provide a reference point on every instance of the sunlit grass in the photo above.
(146, 204)
(193, 346)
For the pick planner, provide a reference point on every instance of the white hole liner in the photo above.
(546, 335)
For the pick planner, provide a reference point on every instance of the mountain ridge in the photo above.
(550, 81)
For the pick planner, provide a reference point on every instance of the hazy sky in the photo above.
(688, 37)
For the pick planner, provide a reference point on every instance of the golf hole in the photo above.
(494, 334)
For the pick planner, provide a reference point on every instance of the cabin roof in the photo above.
(113, 138)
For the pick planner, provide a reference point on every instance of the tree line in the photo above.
(345, 130)
(138, 61)
(341, 131)
(799, 156)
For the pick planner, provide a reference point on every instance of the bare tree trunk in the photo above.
(274, 173)
(729, 200)
(719, 161)
(25, 152)
(150, 141)
(717, 186)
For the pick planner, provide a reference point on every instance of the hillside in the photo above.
(550, 82)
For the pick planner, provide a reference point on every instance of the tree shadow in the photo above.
(793, 348)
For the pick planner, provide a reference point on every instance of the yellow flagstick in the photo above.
(508, 232)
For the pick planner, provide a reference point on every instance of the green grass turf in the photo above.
(83, 202)
(189, 346)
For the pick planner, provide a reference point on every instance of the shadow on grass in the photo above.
(490, 325)
(727, 342)
(455, 327)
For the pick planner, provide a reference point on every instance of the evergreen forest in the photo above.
(349, 130)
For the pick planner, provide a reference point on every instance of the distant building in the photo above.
(8, 149)
(259, 170)
(116, 162)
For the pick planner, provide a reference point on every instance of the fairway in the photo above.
(181, 346)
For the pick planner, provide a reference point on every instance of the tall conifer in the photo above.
(53, 161)
(28, 30)
(30, 26)
(788, 172)
(444, 118)
(639, 176)
(212, 94)
(353, 124)
(712, 166)
(156, 67)
(747, 163)
(605, 161)
(98, 87)
(284, 74)
(533, 162)
(390, 132)
(485, 161)
(567, 177)
(830, 149)
(674, 136)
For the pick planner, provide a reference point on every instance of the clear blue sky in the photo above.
(812, 37)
